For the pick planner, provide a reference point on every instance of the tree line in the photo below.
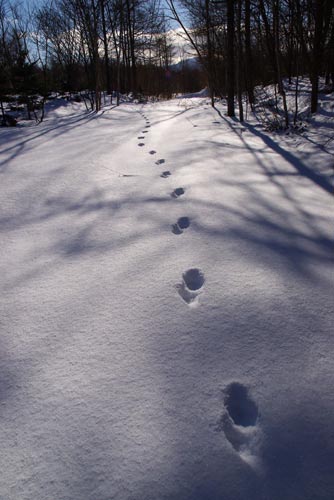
(123, 46)
(244, 43)
(93, 45)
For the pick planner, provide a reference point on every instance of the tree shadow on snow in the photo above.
(298, 454)
(61, 127)
(303, 170)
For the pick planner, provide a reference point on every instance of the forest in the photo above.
(91, 48)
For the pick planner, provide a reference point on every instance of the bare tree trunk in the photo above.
(106, 49)
(240, 62)
(117, 35)
(296, 101)
(131, 38)
(317, 53)
(210, 52)
(281, 89)
(230, 59)
(248, 58)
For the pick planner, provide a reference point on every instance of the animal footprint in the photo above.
(141, 144)
(160, 162)
(144, 131)
(141, 137)
(165, 174)
(189, 289)
(177, 192)
(240, 407)
(152, 152)
(239, 422)
(182, 223)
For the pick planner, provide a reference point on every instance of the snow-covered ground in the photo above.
(167, 307)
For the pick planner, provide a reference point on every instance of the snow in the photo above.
(165, 337)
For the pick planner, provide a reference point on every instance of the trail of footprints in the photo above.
(193, 279)
(240, 420)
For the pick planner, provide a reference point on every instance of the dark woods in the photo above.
(93, 48)
(243, 43)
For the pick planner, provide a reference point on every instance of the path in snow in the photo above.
(193, 279)
(135, 364)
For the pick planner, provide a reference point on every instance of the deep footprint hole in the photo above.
(194, 279)
(241, 408)
(183, 222)
(178, 192)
